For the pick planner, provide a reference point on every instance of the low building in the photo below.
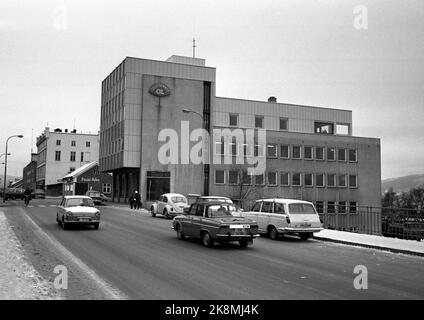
(29, 174)
(60, 152)
(87, 178)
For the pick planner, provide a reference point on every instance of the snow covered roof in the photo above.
(80, 170)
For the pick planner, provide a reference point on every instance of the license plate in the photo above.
(305, 224)
(239, 226)
(84, 219)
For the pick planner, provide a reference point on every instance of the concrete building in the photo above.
(29, 174)
(310, 152)
(60, 152)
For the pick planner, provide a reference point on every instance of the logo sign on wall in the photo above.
(160, 90)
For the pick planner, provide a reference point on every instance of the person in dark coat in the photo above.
(132, 201)
(137, 199)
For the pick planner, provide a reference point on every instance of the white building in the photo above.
(60, 152)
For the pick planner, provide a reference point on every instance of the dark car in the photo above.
(95, 195)
(38, 194)
(213, 222)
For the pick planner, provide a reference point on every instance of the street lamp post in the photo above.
(5, 165)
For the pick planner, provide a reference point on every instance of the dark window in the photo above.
(233, 177)
(257, 206)
(247, 178)
(57, 156)
(267, 207)
(331, 154)
(72, 155)
(353, 207)
(342, 180)
(272, 151)
(319, 153)
(283, 123)
(219, 176)
(353, 155)
(272, 178)
(233, 120)
(193, 209)
(259, 122)
(341, 154)
(353, 181)
(308, 180)
(284, 151)
(331, 180)
(58, 142)
(71, 169)
(342, 207)
(259, 150)
(200, 209)
(284, 177)
(331, 208)
(279, 208)
(324, 127)
(259, 179)
(82, 156)
(296, 179)
(319, 180)
(73, 143)
(319, 205)
(308, 153)
(87, 143)
(296, 152)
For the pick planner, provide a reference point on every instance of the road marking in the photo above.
(41, 206)
(107, 288)
(53, 205)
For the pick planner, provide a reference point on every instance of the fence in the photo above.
(389, 222)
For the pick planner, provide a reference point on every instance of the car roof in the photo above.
(76, 197)
(214, 197)
(281, 200)
(173, 195)
(210, 203)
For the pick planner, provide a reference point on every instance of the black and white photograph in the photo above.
(211, 156)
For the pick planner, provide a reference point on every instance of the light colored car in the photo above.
(77, 210)
(169, 205)
(277, 217)
(95, 195)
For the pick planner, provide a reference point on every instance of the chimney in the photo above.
(272, 99)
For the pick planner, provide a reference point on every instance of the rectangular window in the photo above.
(342, 181)
(342, 129)
(219, 148)
(319, 180)
(283, 124)
(259, 150)
(107, 188)
(324, 127)
(247, 150)
(296, 179)
(353, 207)
(233, 120)
(57, 156)
(296, 152)
(308, 153)
(353, 181)
(71, 169)
(341, 154)
(247, 178)
(219, 177)
(58, 142)
(353, 157)
(73, 143)
(272, 178)
(342, 206)
(331, 207)
(319, 205)
(308, 180)
(233, 177)
(72, 155)
(272, 151)
(259, 121)
(232, 148)
(259, 180)
(82, 157)
(319, 153)
(331, 154)
(87, 144)
(284, 151)
(331, 180)
(284, 179)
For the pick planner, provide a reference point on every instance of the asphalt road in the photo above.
(141, 257)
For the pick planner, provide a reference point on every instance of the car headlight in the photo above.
(97, 214)
(69, 214)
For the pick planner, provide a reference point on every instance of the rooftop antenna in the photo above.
(194, 47)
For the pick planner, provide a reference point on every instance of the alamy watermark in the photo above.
(360, 282)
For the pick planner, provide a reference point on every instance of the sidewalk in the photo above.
(411, 247)
(122, 205)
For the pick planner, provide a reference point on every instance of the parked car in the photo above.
(77, 210)
(277, 217)
(95, 195)
(13, 193)
(201, 198)
(105, 198)
(403, 226)
(212, 221)
(169, 205)
(38, 194)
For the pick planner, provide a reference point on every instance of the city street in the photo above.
(136, 256)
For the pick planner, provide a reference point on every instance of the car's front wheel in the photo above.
(152, 211)
(273, 233)
(96, 226)
(305, 236)
(207, 239)
(243, 243)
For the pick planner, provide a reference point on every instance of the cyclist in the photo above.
(27, 195)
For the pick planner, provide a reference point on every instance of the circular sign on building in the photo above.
(160, 90)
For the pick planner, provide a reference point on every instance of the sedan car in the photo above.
(169, 205)
(77, 210)
(213, 222)
(277, 217)
(95, 195)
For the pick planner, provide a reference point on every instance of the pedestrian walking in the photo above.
(132, 201)
(137, 199)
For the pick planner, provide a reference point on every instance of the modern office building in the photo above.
(60, 152)
(29, 174)
(310, 152)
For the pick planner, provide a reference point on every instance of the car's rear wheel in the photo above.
(96, 226)
(243, 243)
(64, 226)
(180, 234)
(273, 233)
(305, 236)
(152, 211)
(207, 239)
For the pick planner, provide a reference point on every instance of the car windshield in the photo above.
(94, 194)
(177, 199)
(216, 211)
(83, 202)
(301, 208)
(224, 200)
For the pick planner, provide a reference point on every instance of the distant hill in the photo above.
(8, 178)
(403, 183)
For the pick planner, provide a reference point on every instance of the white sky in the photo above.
(54, 55)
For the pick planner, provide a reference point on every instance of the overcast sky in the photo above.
(54, 55)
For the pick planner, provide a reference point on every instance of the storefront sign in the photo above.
(160, 90)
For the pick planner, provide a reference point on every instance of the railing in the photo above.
(389, 222)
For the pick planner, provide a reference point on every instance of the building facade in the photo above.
(29, 173)
(309, 152)
(60, 152)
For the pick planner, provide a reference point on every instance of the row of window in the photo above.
(106, 187)
(288, 151)
(84, 156)
(319, 127)
(73, 143)
(336, 207)
(296, 179)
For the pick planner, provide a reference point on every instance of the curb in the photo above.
(393, 250)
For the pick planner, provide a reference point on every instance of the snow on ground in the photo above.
(18, 278)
